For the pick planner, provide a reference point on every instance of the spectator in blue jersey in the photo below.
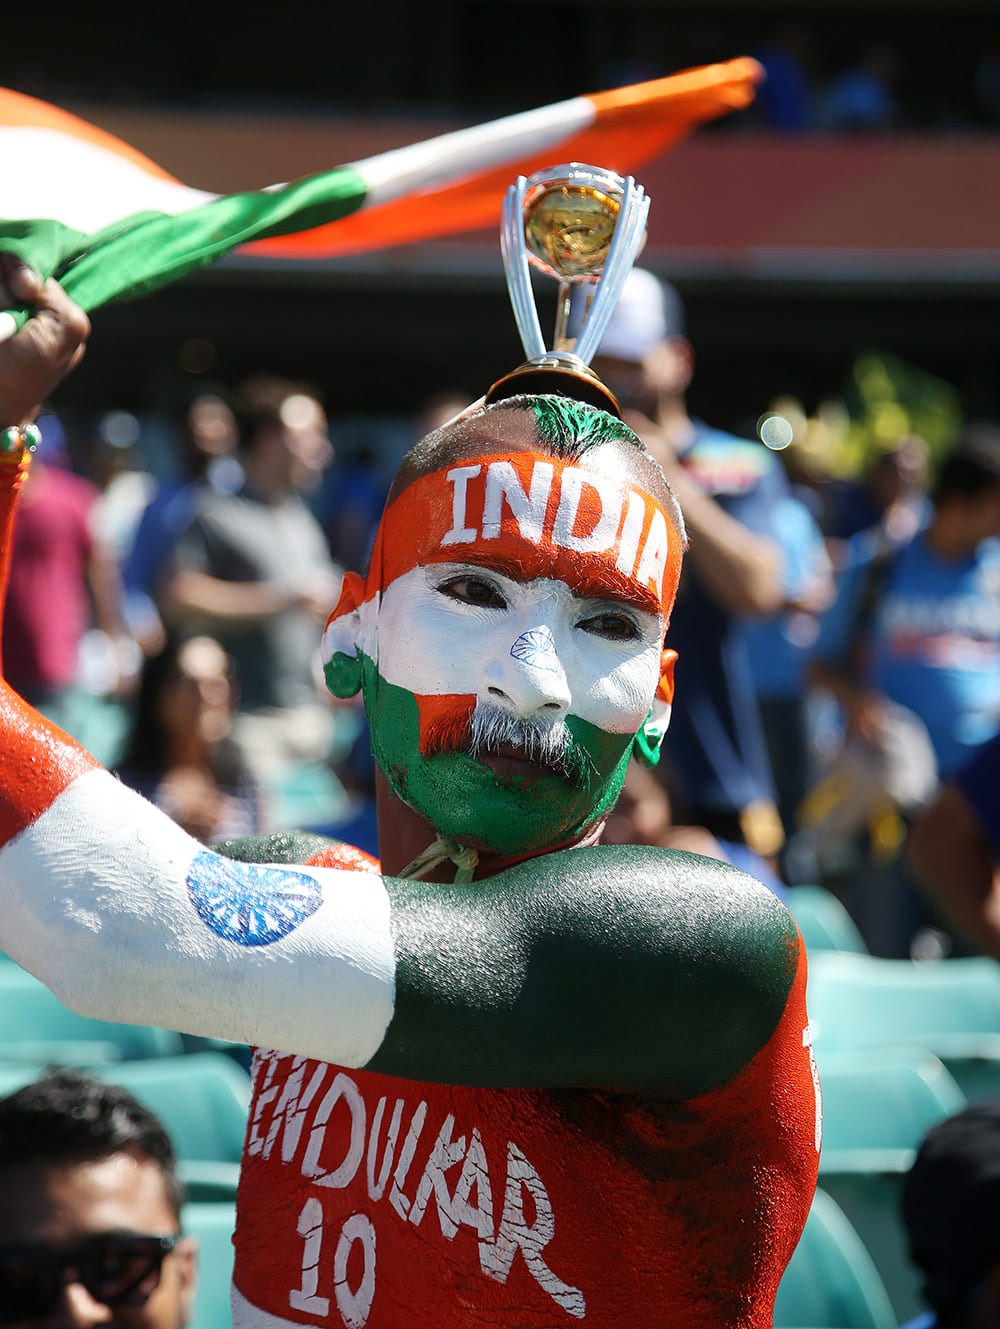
(779, 647)
(954, 848)
(715, 761)
(928, 642)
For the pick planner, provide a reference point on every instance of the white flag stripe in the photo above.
(84, 186)
(448, 157)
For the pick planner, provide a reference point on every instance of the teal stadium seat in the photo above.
(212, 1224)
(202, 1100)
(883, 1099)
(877, 1107)
(823, 920)
(950, 1007)
(36, 1027)
(831, 1281)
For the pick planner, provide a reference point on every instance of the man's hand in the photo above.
(50, 344)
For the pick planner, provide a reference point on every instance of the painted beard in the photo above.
(494, 781)
(512, 746)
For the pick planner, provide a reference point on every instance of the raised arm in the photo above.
(629, 967)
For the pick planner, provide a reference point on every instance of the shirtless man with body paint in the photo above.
(508, 1076)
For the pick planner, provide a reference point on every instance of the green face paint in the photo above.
(465, 800)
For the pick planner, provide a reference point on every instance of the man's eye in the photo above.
(613, 627)
(473, 591)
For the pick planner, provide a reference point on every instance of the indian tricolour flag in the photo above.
(82, 206)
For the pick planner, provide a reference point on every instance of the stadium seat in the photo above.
(823, 920)
(35, 1026)
(204, 1179)
(951, 1007)
(202, 1100)
(886, 1099)
(212, 1224)
(877, 1107)
(831, 1280)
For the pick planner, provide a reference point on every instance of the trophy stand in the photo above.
(584, 226)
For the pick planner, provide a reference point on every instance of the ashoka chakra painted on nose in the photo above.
(536, 648)
(247, 903)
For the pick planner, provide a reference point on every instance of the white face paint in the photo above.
(462, 629)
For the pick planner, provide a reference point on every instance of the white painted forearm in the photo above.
(126, 917)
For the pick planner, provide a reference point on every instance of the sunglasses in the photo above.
(116, 1268)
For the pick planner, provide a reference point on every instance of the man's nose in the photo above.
(77, 1309)
(530, 677)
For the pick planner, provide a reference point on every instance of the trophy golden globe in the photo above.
(584, 226)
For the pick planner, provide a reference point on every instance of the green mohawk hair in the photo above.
(575, 426)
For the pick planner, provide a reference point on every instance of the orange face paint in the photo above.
(530, 515)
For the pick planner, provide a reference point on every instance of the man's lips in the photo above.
(509, 763)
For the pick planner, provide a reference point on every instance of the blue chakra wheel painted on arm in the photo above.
(247, 903)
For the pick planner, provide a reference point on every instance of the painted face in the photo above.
(513, 647)
(546, 687)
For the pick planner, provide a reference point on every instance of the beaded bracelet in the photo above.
(20, 436)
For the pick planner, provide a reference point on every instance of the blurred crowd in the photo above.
(837, 629)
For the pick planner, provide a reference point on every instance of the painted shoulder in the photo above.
(683, 906)
(681, 964)
(297, 847)
(716, 952)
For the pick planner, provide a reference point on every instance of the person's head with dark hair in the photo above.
(951, 1213)
(179, 751)
(972, 467)
(966, 494)
(284, 433)
(184, 707)
(508, 638)
(209, 431)
(90, 1207)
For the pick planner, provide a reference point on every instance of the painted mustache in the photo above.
(492, 731)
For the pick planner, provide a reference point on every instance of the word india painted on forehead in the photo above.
(316, 1120)
(586, 500)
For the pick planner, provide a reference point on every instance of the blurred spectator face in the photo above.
(306, 433)
(900, 473)
(645, 355)
(986, 514)
(211, 427)
(663, 371)
(642, 814)
(199, 696)
(81, 1244)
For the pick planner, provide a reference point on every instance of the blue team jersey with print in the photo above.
(779, 644)
(715, 743)
(933, 643)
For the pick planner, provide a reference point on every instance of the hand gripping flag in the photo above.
(84, 207)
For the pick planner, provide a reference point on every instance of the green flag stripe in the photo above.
(150, 249)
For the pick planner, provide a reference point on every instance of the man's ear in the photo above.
(648, 741)
(340, 647)
(185, 1256)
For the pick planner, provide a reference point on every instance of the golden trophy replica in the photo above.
(582, 225)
